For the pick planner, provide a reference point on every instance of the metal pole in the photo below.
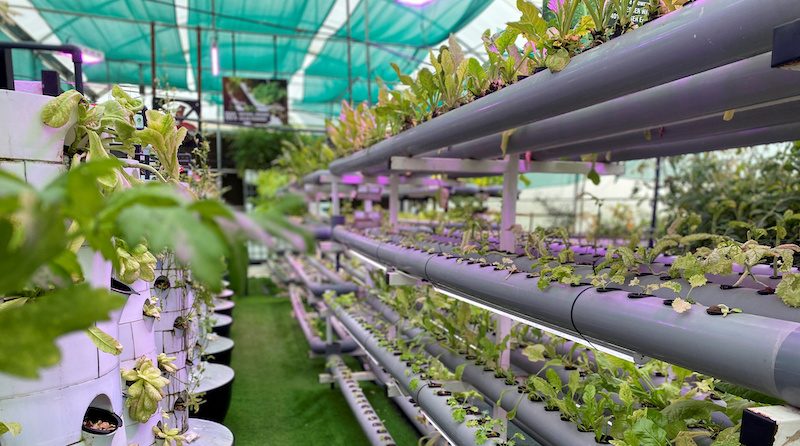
(233, 51)
(200, 80)
(349, 57)
(219, 148)
(508, 242)
(153, 62)
(335, 211)
(366, 47)
(654, 217)
(394, 198)
(274, 57)
(141, 79)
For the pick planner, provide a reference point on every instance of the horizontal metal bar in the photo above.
(455, 166)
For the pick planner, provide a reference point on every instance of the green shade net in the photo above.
(125, 44)
(259, 39)
(397, 33)
(267, 39)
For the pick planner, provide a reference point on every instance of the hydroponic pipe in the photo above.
(546, 427)
(319, 289)
(370, 423)
(756, 136)
(703, 95)
(322, 269)
(701, 128)
(488, 147)
(316, 344)
(435, 406)
(748, 350)
(699, 37)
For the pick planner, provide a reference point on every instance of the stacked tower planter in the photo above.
(28, 148)
(175, 336)
(85, 377)
(137, 336)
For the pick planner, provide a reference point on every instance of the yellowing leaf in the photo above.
(534, 352)
(680, 305)
(728, 115)
(57, 112)
(104, 341)
(13, 428)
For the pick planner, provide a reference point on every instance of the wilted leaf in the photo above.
(680, 305)
(57, 112)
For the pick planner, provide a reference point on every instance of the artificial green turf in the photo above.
(277, 399)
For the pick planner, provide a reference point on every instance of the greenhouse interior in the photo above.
(400, 222)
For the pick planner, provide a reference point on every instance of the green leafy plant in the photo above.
(165, 363)
(169, 436)
(145, 389)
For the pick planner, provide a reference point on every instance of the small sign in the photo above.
(640, 13)
(256, 102)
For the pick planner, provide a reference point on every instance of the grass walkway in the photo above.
(277, 399)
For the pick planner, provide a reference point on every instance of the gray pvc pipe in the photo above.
(748, 350)
(743, 120)
(699, 37)
(545, 427)
(752, 137)
(667, 105)
(433, 405)
(322, 269)
(370, 423)
(317, 345)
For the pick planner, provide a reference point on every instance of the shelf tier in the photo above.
(703, 36)
(748, 350)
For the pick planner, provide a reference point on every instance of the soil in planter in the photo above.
(99, 421)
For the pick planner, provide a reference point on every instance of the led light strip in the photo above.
(550, 330)
(366, 259)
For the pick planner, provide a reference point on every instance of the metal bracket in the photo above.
(399, 278)
(497, 167)
(330, 247)
(392, 390)
(327, 378)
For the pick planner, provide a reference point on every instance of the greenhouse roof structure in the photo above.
(306, 43)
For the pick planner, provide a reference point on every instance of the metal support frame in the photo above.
(394, 199)
(335, 202)
(654, 216)
(508, 242)
(153, 63)
(399, 278)
(455, 166)
(73, 50)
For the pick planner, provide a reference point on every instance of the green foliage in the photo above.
(751, 186)
(145, 389)
(39, 322)
(165, 138)
(257, 148)
(170, 436)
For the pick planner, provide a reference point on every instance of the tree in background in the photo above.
(732, 191)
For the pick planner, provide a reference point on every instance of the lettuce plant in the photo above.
(145, 389)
